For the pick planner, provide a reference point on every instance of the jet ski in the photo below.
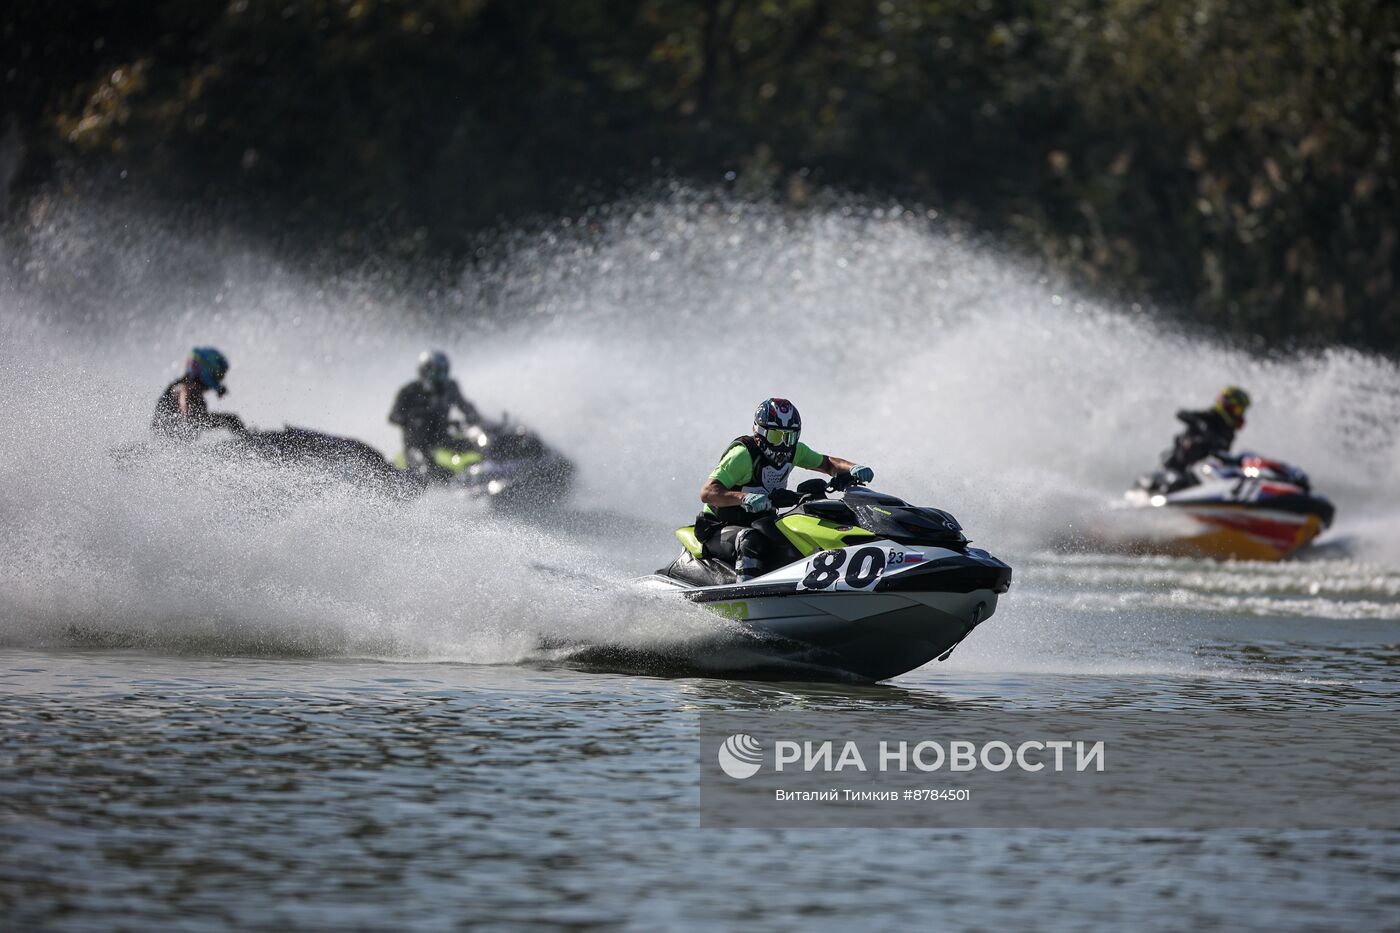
(505, 463)
(327, 456)
(1243, 507)
(871, 586)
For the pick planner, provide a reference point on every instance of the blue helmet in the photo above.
(208, 367)
(777, 426)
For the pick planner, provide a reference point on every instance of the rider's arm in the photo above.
(832, 465)
(725, 484)
(396, 414)
(190, 402)
(713, 493)
(1194, 420)
(809, 459)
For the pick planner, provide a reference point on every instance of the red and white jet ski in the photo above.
(1246, 507)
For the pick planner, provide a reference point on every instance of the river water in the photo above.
(230, 698)
(156, 787)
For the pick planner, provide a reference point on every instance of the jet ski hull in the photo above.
(867, 636)
(1224, 531)
(537, 483)
(901, 623)
(324, 459)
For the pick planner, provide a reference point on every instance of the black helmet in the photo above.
(433, 366)
(777, 426)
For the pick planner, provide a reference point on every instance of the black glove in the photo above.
(783, 498)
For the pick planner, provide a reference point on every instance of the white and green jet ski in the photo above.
(872, 587)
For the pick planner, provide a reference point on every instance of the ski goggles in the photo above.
(780, 438)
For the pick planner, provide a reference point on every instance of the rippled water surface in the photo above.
(149, 788)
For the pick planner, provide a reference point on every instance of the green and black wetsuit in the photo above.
(734, 534)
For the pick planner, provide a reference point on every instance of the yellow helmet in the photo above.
(1231, 404)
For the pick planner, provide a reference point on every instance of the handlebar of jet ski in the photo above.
(841, 482)
(838, 483)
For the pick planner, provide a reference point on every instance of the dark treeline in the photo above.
(1236, 158)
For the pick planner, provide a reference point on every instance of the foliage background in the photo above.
(1233, 158)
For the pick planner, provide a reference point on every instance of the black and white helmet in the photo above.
(777, 426)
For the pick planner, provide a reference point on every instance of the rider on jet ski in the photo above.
(181, 412)
(1208, 433)
(423, 409)
(740, 496)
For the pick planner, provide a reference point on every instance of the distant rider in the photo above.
(423, 409)
(740, 496)
(1210, 432)
(181, 412)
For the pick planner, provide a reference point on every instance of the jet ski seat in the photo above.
(689, 541)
